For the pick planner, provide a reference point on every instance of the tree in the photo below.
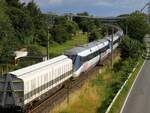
(33, 9)
(130, 48)
(40, 23)
(83, 14)
(94, 35)
(137, 25)
(22, 24)
(7, 39)
(14, 3)
(59, 33)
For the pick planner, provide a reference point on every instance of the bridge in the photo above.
(103, 19)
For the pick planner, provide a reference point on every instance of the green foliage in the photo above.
(58, 49)
(131, 48)
(120, 73)
(86, 24)
(34, 50)
(7, 41)
(59, 33)
(39, 22)
(63, 30)
(137, 25)
(94, 35)
(33, 9)
(14, 3)
(22, 24)
(121, 98)
(131, 51)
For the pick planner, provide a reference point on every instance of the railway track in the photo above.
(63, 93)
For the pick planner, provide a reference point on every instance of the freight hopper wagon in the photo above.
(18, 89)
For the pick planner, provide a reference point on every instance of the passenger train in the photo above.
(21, 87)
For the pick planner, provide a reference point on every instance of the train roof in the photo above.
(84, 47)
(34, 67)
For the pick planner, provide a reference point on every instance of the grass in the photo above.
(116, 108)
(91, 96)
(58, 49)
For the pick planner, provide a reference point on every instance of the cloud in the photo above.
(103, 2)
(120, 3)
(55, 1)
(93, 6)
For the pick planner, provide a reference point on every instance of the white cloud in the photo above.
(55, 1)
(90, 5)
(103, 2)
(91, 2)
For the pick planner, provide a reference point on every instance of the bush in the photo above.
(137, 25)
(34, 50)
(94, 35)
(131, 48)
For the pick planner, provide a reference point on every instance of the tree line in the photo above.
(25, 26)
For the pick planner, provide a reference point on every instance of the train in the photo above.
(19, 88)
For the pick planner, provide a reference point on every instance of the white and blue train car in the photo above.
(116, 38)
(22, 86)
(87, 56)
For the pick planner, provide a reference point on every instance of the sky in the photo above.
(94, 7)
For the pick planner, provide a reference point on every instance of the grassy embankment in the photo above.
(92, 95)
(58, 49)
(116, 108)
